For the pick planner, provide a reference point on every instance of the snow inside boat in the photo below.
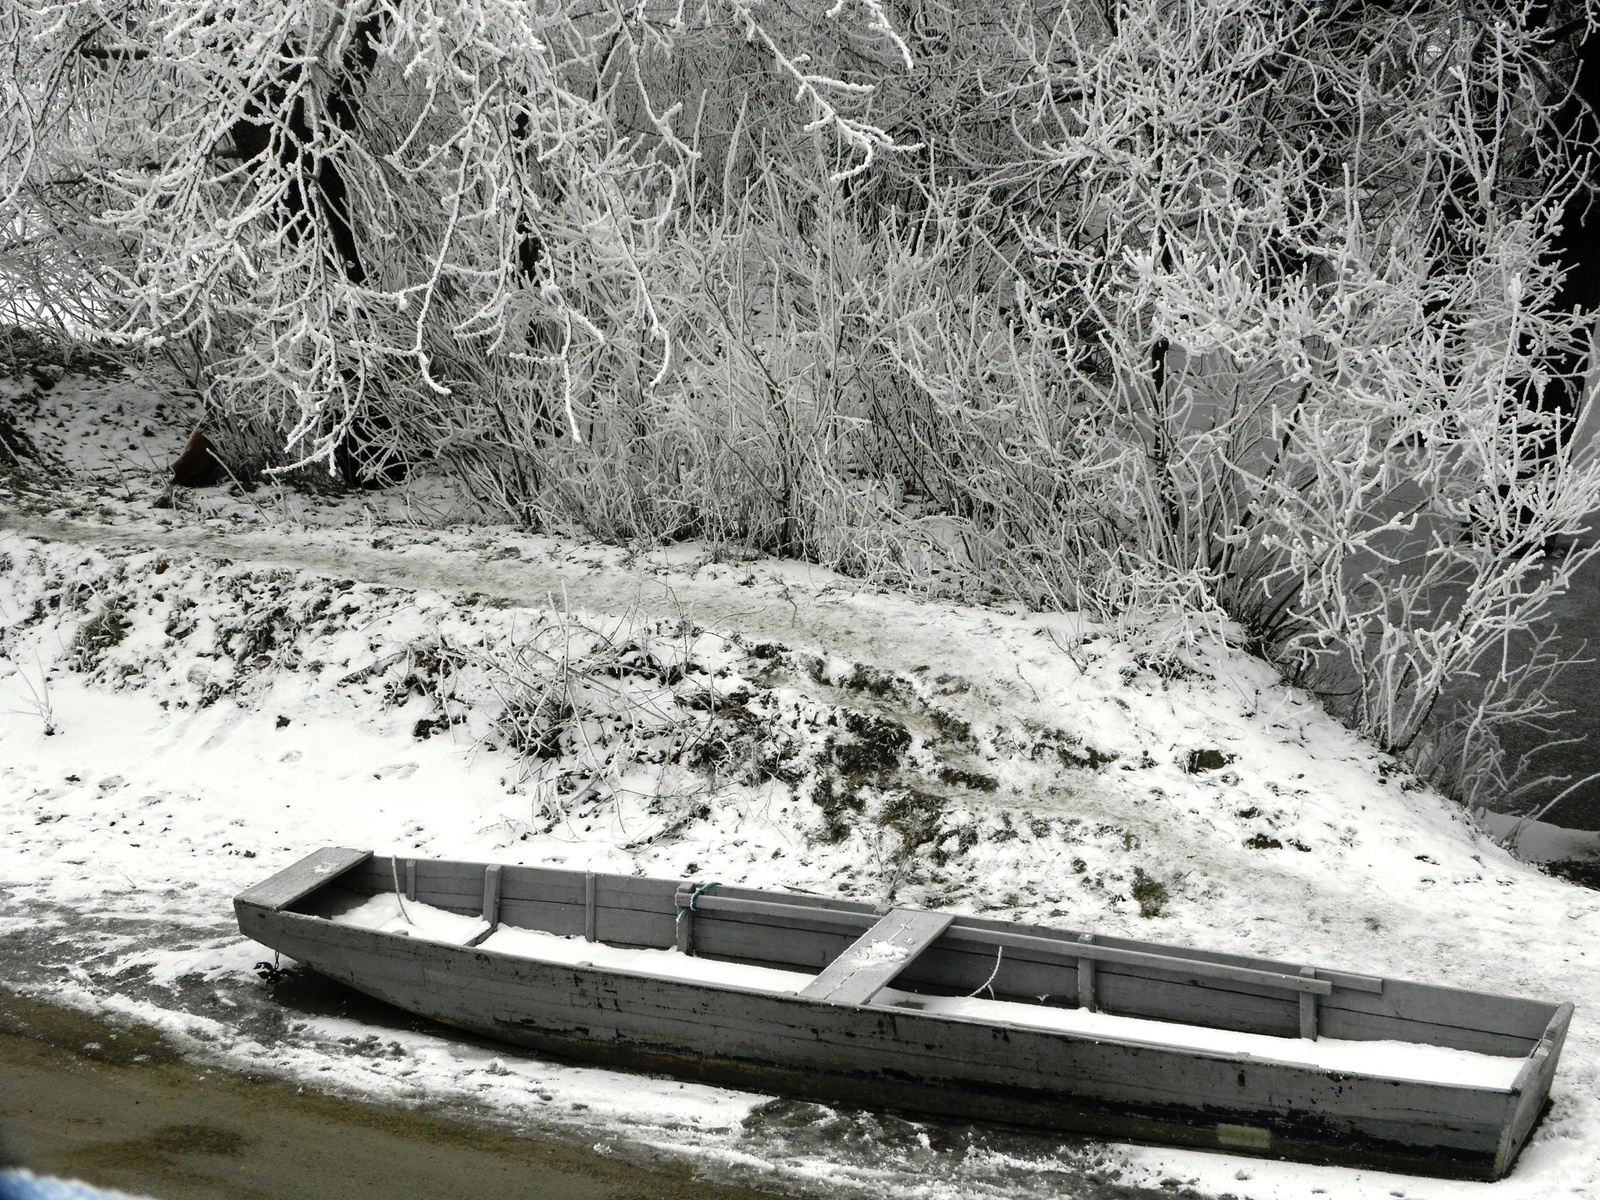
(843, 1001)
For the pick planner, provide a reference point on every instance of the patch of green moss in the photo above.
(1007, 831)
(865, 753)
(870, 680)
(253, 641)
(1151, 893)
(839, 804)
(914, 815)
(1068, 748)
(1206, 760)
(539, 729)
(965, 838)
(105, 629)
(950, 728)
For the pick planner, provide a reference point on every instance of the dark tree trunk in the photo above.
(1578, 244)
(359, 455)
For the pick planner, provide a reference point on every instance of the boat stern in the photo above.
(295, 882)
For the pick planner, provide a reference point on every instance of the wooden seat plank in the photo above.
(877, 956)
(299, 879)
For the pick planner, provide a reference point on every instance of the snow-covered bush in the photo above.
(361, 219)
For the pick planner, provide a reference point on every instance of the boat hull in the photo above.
(877, 1056)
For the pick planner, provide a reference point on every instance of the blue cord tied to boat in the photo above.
(695, 895)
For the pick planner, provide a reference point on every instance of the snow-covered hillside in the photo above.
(192, 697)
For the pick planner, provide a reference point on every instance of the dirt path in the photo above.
(803, 607)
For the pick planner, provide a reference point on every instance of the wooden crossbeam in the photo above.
(877, 956)
(1308, 1007)
(590, 910)
(1086, 996)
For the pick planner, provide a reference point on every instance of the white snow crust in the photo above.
(1380, 1059)
(661, 964)
(387, 913)
(881, 954)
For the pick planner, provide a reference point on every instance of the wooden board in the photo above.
(877, 956)
(1151, 980)
(301, 878)
(1189, 969)
(1532, 1089)
(709, 1019)
(1443, 1016)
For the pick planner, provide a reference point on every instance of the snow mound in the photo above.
(175, 725)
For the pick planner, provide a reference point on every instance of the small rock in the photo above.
(199, 464)
(1207, 760)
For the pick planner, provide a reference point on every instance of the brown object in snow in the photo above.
(198, 465)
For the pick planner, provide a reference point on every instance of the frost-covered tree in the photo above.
(397, 229)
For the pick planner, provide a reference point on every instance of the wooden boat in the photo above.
(841, 1001)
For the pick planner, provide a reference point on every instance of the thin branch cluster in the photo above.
(1237, 317)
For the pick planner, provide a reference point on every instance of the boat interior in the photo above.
(849, 951)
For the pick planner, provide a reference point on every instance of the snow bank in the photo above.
(174, 727)
(1540, 841)
(25, 1185)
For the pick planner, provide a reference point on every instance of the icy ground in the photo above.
(190, 698)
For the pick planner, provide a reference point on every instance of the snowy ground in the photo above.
(190, 698)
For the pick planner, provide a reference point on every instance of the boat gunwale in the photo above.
(1555, 1033)
(1352, 985)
